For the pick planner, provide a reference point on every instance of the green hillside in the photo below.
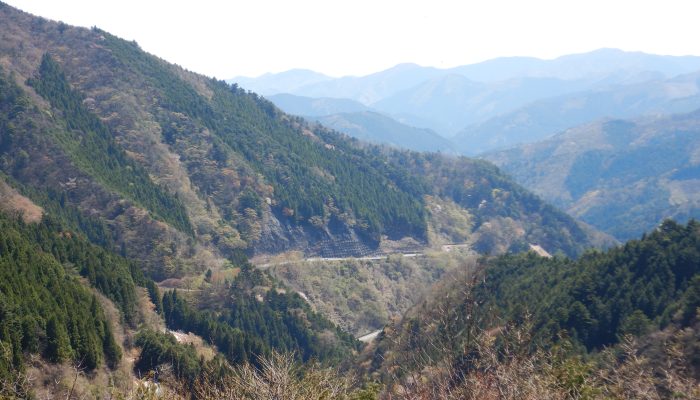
(185, 171)
(622, 177)
(565, 325)
(133, 193)
(46, 308)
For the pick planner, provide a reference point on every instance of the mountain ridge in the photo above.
(251, 178)
(545, 117)
(618, 175)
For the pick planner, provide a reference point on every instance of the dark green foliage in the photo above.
(57, 343)
(13, 103)
(162, 348)
(91, 145)
(246, 328)
(154, 295)
(110, 274)
(633, 289)
(307, 173)
(70, 217)
(44, 308)
(691, 301)
(250, 199)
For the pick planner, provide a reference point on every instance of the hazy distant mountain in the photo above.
(447, 100)
(361, 122)
(592, 65)
(544, 118)
(598, 65)
(314, 107)
(374, 127)
(283, 82)
(448, 103)
(371, 88)
(622, 177)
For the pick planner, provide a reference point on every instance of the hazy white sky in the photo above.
(356, 37)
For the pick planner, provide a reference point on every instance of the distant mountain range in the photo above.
(284, 82)
(543, 118)
(449, 103)
(596, 65)
(315, 107)
(377, 128)
(366, 89)
(359, 121)
(499, 102)
(621, 176)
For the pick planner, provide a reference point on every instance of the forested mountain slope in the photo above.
(621, 176)
(52, 313)
(185, 170)
(133, 191)
(503, 316)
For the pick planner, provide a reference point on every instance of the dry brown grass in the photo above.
(278, 377)
(13, 203)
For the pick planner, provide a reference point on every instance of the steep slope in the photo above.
(244, 171)
(63, 301)
(546, 117)
(216, 170)
(500, 214)
(374, 127)
(539, 315)
(622, 177)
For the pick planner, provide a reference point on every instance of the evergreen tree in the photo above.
(57, 344)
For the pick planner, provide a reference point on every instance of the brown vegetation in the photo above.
(13, 203)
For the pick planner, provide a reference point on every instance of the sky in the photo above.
(226, 39)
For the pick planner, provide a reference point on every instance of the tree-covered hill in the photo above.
(621, 176)
(185, 171)
(46, 309)
(50, 313)
(512, 314)
(637, 288)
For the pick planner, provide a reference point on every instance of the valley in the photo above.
(517, 228)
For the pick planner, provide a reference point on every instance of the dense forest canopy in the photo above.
(633, 289)
(45, 309)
